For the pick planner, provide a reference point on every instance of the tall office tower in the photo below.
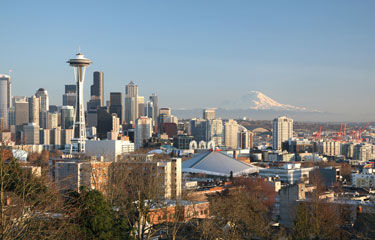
(5, 100)
(31, 133)
(104, 123)
(143, 131)
(209, 114)
(34, 110)
(155, 102)
(43, 119)
(70, 95)
(198, 129)
(231, 134)
(21, 114)
(115, 104)
(97, 88)
(42, 94)
(141, 106)
(107, 122)
(79, 64)
(131, 105)
(282, 131)
(216, 131)
(96, 93)
(67, 117)
(149, 111)
(52, 121)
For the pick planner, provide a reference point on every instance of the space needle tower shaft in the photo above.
(79, 65)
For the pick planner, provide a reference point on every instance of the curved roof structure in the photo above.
(218, 164)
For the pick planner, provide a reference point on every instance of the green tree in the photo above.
(96, 218)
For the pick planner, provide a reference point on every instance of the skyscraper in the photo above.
(149, 111)
(131, 104)
(231, 134)
(34, 110)
(67, 117)
(5, 100)
(42, 94)
(155, 102)
(79, 64)
(115, 104)
(31, 133)
(141, 106)
(21, 114)
(282, 131)
(70, 95)
(97, 88)
(143, 131)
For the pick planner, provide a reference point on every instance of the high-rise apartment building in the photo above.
(209, 114)
(231, 128)
(216, 132)
(115, 105)
(34, 109)
(143, 131)
(5, 100)
(282, 131)
(131, 104)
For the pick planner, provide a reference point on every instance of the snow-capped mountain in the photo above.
(256, 100)
(259, 101)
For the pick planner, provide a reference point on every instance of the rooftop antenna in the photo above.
(79, 49)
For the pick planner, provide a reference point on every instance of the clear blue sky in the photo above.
(318, 54)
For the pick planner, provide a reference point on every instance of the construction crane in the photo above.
(317, 135)
(361, 130)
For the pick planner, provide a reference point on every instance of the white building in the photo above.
(231, 129)
(282, 131)
(109, 149)
(330, 148)
(143, 131)
(289, 173)
(42, 94)
(365, 179)
(34, 109)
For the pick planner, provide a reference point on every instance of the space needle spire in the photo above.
(79, 64)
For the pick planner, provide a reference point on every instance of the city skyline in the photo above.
(321, 49)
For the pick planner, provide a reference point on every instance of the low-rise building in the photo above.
(109, 149)
(365, 179)
(289, 173)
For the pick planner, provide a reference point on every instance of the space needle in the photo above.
(79, 65)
